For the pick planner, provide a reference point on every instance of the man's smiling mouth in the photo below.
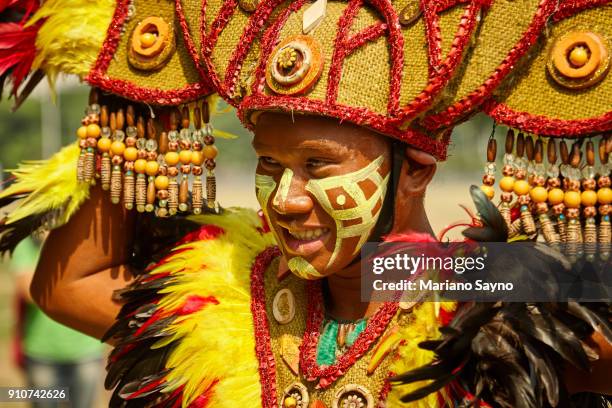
(304, 241)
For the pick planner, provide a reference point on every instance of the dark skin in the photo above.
(85, 261)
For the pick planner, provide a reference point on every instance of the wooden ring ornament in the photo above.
(576, 76)
(298, 392)
(353, 393)
(283, 306)
(149, 57)
(295, 66)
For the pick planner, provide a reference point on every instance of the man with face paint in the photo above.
(351, 104)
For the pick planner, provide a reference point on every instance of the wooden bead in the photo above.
(174, 119)
(520, 144)
(93, 96)
(113, 121)
(140, 127)
(197, 118)
(130, 116)
(120, 119)
(529, 148)
(205, 112)
(184, 191)
(104, 116)
(564, 152)
(115, 187)
(576, 155)
(151, 194)
(151, 130)
(129, 191)
(539, 151)
(185, 117)
(590, 153)
(163, 143)
(141, 192)
(491, 150)
(105, 172)
(551, 151)
(603, 155)
(509, 141)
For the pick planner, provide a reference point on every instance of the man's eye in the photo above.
(268, 161)
(316, 163)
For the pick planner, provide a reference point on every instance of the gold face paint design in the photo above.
(363, 206)
(349, 183)
(302, 268)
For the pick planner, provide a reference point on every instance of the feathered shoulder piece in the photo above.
(178, 314)
(44, 193)
(515, 354)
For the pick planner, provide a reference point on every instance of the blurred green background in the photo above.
(41, 126)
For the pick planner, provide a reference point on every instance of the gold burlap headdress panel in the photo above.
(545, 92)
(147, 57)
(379, 64)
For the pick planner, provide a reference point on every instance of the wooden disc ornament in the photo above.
(579, 59)
(151, 44)
(295, 66)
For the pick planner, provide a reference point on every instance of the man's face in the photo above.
(321, 185)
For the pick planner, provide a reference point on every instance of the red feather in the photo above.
(17, 42)
(17, 51)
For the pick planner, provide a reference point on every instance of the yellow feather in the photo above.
(72, 35)
(221, 268)
(51, 185)
(423, 327)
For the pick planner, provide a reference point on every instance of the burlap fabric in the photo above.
(176, 81)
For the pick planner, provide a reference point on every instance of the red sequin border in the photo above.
(263, 348)
(542, 125)
(358, 116)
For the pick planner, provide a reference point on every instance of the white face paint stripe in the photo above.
(265, 187)
(283, 189)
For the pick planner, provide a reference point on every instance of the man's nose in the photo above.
(291, 196)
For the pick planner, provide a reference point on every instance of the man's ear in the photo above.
(418, 168)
